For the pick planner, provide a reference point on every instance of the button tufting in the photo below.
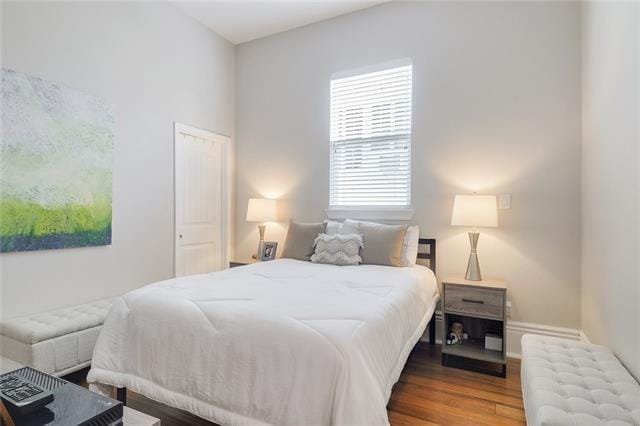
(38, 327)
(590, 384)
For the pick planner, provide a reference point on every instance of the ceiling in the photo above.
(240, 21)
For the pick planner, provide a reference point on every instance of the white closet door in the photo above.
(198, 202)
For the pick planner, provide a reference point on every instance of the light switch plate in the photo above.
(504, 201)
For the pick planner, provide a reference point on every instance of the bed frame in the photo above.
(428, 255)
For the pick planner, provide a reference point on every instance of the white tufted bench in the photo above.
(565, 382)
(57, 342)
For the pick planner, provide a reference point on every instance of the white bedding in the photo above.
(283, 342)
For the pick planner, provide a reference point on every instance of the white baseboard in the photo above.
(515, 331)
(425, 336)
(584, 338)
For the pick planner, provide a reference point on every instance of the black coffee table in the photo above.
(71, 405)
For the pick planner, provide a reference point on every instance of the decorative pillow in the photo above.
(351, 226)
(299, 242)
(382, 244)
(338, 249)
(332, 228)
(409, 245)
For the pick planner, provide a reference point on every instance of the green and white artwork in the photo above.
(56, 158)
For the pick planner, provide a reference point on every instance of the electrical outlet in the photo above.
(508, 308)
(504, 201)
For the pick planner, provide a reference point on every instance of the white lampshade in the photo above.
(262, 210)
(475, 210)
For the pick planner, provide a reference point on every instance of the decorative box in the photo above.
(493, 342)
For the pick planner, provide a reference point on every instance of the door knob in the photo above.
(180, 236)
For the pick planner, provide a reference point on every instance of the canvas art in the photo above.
(56, 160)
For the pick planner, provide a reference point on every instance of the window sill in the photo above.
(370, 213)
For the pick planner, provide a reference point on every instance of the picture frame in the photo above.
(268, 250)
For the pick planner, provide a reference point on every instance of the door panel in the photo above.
(198, 258)
(199, 185)
(200, 189)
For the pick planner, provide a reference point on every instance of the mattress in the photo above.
(283, 342)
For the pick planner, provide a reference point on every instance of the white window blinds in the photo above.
(371, 139)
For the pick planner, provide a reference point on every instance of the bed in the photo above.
(282, 342)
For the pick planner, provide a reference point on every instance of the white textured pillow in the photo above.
(337, 249)
(409, 245)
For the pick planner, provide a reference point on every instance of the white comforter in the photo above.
(282, 342)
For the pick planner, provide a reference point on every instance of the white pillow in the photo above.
(332, 228)
(351, 227)
(409, 245)
(337, 249)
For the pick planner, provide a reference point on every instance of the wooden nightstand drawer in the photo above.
(485, 302)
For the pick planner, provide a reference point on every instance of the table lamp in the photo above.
(261, 210)
(474, 210)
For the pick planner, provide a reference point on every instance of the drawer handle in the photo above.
(473, 301)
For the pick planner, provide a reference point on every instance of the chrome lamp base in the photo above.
(473, 267)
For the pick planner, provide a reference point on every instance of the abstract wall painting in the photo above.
(56, 159)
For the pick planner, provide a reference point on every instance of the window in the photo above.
(370, 139)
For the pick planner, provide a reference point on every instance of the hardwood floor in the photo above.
(427, 394)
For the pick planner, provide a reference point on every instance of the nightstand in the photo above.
(480, 306)
(235, 263)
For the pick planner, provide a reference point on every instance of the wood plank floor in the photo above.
(427, 394)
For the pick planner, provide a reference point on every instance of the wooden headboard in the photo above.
(430, 253)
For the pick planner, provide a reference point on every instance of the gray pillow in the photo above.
(382, 243)
(300, 238)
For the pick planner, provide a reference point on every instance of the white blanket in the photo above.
(283, 342)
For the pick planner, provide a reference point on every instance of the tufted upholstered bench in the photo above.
(57, 342)
(565, 382)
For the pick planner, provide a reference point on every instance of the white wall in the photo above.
(610, 173)
(156, 66)
(496, 109)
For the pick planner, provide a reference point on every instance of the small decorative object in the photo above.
(474, 210)
(493, 342)
(456, 334)
(452, 339)
(261, 210)
(268, 250)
